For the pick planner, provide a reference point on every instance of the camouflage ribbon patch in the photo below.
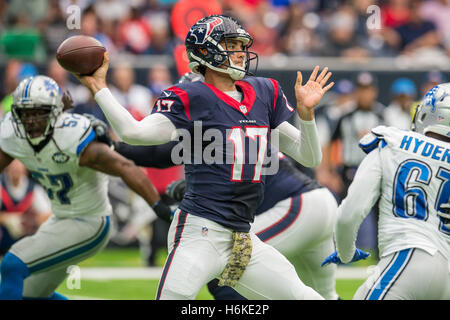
(239, 259)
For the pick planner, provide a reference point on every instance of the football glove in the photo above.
(444, 213)
(176, 190)
(100, 128)
(333, 258)
(162, 211)
(67, 101)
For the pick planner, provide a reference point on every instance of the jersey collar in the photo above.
(248, 92)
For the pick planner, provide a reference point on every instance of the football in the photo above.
(80, 54)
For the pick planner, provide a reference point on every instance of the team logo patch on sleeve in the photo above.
(60, 157)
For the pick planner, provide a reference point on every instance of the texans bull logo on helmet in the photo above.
(201, 31)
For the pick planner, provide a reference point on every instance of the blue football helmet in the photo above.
(203, 46)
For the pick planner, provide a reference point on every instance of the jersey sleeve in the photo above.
(148, 156)
(174, 103)
(85, 139)
(361, 197)
(281, 109)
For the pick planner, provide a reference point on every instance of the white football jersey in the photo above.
(73, 190)
(410, 175)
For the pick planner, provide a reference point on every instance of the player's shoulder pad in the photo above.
(189, 89)
(185, 93)
(380, 136)
(73, 132)
(261, 83)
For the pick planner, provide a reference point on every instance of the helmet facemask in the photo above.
(35, 110)
(238, 72)
(34, 124)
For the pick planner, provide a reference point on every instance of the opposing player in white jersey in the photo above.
(60, 152)
(409, 172)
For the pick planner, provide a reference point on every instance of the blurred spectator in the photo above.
(21, 40)
(24, 205)
(395, 13)
(431, 79)
(112, 10)
(327, 118)
(135, 33)
(53, 27)
(398, 113)
(438, 12)
(82, 4)
(263, 30)
(90, 106)
(14, 73)
(342, 40)
(158, 79)
(160, 37)
(417, 33)
(80, 94)
(375, 36)
(34, 11)
(10, 82)
(298, 36)
(90, 27)
(366, 113)
(135, 97)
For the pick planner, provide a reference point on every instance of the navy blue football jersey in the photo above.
(288, 182)
(230, 190)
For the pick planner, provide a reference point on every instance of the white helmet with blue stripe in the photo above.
(433, 113)
(37, 103)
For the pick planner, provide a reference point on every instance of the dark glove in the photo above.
(333, 258)
(176, 190)
(444, 213)
(67, 100)
(100, 128)
(163, 211)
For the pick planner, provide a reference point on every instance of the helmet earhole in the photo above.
(422, 118)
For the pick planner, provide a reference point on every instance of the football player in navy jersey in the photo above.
(297, 217)
(209, 236)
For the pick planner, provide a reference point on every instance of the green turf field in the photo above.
(145, 289)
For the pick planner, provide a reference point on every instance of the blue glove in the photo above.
(333, 258)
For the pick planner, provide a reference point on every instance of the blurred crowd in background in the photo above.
(339, 28)
(31, 31)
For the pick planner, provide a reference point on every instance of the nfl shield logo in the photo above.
(243, 108)
(204, 231)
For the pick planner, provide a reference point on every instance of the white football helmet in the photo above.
(433, 113)
(37, 103)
